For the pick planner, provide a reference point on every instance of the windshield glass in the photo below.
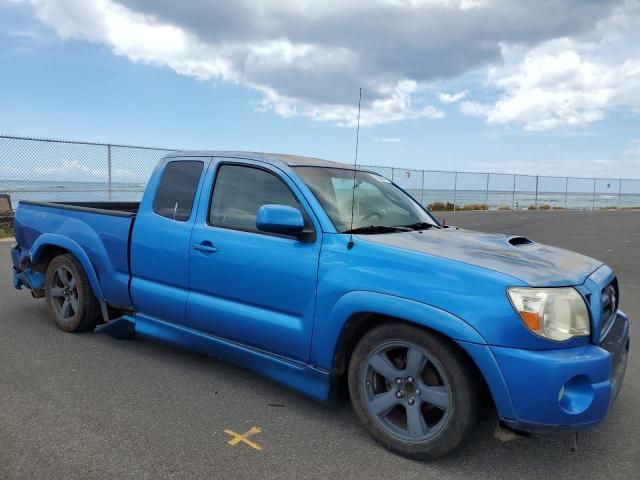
(378, 203)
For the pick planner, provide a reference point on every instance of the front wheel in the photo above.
(70, 300)
(412, 390)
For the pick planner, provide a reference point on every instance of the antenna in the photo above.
(355, 165)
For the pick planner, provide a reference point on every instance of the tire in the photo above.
(70, 300)
(437, 404)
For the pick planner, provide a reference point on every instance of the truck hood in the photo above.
(533, 263)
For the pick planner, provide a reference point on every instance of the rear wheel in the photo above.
(412, 390)
(70, 300)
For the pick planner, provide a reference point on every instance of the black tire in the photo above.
(70, 300)
(445, 376)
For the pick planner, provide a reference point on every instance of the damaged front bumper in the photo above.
(565, 389)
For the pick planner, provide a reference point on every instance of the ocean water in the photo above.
(60, 191)
(524, 199)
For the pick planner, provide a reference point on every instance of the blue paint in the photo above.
(280, 219)
(576, 395)
(312, 381)
(29, 278)
(279, 303)
(160, 249)
(120, 328)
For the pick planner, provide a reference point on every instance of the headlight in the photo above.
(554, 313)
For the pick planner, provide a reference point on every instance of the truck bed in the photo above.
(97, 233)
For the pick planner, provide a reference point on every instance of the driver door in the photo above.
(248, 286)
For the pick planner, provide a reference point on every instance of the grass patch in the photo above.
(449, 207)
(544, 206)
(440, 207)
(6, 231)
(473, 206)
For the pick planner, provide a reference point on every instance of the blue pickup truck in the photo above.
(317, 275)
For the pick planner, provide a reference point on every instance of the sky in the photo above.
(548, 87)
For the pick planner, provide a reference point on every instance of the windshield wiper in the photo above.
(418, 226)
(378, 229)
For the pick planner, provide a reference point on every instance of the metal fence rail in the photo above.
(61, 170)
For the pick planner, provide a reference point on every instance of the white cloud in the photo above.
(395, 105)
(387, 140)
(452, 97)
(568, 82)
(69, 167)
(143, 39)
(598, 167)
(554, 88)
(309, 58)
(475, 109)
(77, 169)
(624, 164)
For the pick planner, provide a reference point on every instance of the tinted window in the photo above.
(177, 190)
(239, 193)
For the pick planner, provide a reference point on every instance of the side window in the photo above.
(240, 191)
(177, 190)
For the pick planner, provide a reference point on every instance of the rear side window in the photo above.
(240, 191)
(177, 190)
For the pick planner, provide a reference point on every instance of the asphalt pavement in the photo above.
(88, 406)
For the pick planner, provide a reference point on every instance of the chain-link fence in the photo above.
(442, 190)
(64, 171)
(56, 170)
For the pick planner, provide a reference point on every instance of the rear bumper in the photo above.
(564, 389)
(24, 276)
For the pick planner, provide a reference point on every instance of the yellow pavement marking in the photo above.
(237, 438)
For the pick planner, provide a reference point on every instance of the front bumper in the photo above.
(564, 389)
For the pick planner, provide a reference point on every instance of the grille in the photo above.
(610, 299)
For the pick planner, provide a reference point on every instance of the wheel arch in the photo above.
(361, 323)
(48, 246)
(492, 390)
(358, 311)
(351, 321)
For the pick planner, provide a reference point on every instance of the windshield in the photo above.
(378, 203)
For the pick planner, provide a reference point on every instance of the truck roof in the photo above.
(272, 158)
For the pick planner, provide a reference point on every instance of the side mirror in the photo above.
(280, 219)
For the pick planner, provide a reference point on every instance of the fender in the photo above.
(328, 332)
(55, 240)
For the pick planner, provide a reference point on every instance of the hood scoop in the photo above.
(519, 241)
(534, 263)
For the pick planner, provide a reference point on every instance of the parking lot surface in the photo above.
(89, 406)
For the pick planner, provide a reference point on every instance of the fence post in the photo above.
(566, 191)
(513, 199)
(393, 174)
(486, 199)
(619, 193)
(455, 190)
(537, 180)
(594, 195)
(109, 170)
(422, 190)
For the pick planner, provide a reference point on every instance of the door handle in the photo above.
(205, 247)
